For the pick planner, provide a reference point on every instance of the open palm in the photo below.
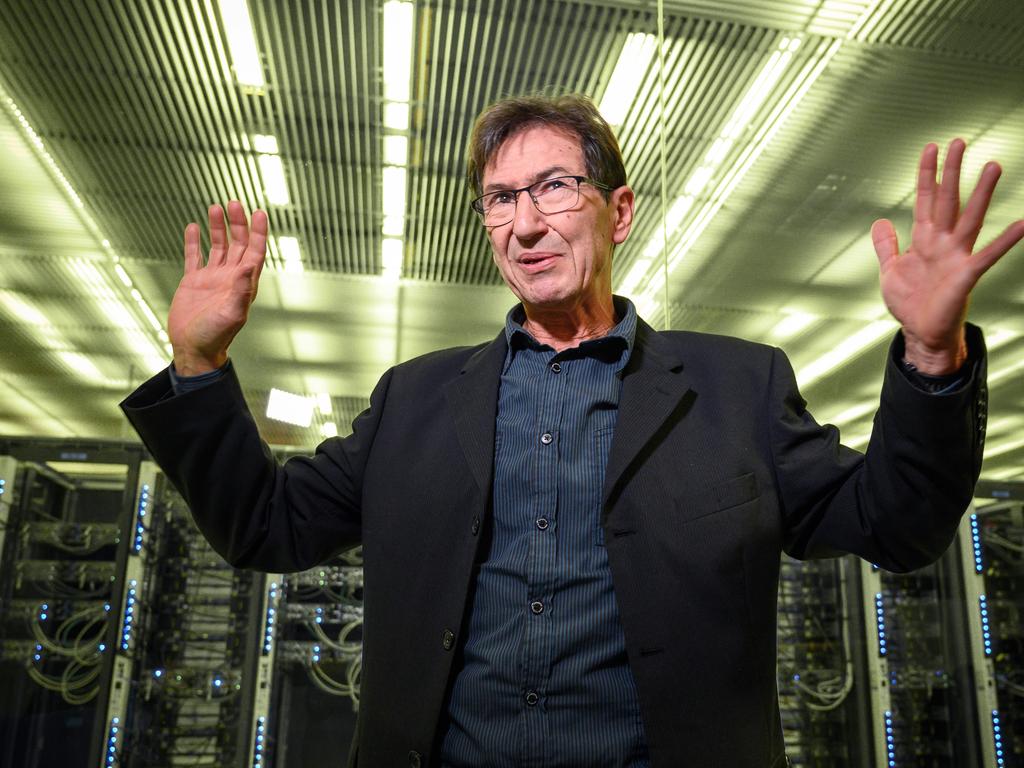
(212, 301)
(927, 287)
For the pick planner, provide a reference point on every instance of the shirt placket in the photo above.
(548, 391)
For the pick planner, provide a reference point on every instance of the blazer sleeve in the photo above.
(899, 505)
(255, 512)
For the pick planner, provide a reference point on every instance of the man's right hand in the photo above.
(212, 301)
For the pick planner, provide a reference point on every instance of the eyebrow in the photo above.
(547, 173)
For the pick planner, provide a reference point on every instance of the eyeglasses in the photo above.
(549, 196)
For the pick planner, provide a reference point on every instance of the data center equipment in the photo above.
(820, 668)
(73, 522)
(127, 642)
(992, 561)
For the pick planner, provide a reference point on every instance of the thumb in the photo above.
(883, 235)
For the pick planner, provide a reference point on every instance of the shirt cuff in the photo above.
(182, 384)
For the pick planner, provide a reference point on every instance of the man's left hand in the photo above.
(927, 288)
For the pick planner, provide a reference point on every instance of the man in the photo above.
(571, 534)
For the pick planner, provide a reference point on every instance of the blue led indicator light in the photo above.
(986, 635)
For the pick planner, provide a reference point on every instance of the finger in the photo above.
(193, 252)
(256, 253)
(947, 201)
(218, 235)
(926, 184)
(883, 236)
(239, 231)
(969, 226)
(994, 251)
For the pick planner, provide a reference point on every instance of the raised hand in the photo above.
(927, 287)
(212, 301)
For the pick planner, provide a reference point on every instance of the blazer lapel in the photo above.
(473, 402)
(653, 387)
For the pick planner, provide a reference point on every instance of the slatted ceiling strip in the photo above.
(279, 93)
(344, 236)
(427, 150)
(325, 65)
(362, 45)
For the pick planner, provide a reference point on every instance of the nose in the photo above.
(528, 221)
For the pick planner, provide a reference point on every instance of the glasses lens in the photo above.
(498, 207)
(556, 195)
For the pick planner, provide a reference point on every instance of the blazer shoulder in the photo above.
(441, 363)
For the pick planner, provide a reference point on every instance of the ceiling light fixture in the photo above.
(791, 325)
(847, 349)
(238, 29)
(740, 119)
(627, 75)
(86, 217)
(290, 253)
(290, 408)
(275, 187)
(397, 51)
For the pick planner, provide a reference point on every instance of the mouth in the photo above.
(533, 262)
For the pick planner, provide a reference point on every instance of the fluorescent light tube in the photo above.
(392, 255)
(329, 429)
(393, 199)
(396, 150)
(636, 274)
(265, 143)
(291, 255)
(846, 350)
(396, 116)
(1008, 447)
(324, 404)
(630, 68)
(791, 325)
(82, 366)
(242, 43)
(290, 408)
(274, 185)
(398, 44)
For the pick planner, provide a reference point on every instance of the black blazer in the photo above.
(715, 468)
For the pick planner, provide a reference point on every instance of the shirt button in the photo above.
(475, 527)
(546, 438)
(531, 698)
(556, 368)
(542, 523)
(448, 640)
(537, 606)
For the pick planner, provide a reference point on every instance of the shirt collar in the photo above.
(621, 336)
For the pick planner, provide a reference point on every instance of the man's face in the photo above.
(555, 261)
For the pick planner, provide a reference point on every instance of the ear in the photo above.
(622, 201)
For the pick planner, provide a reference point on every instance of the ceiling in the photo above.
(121, 120)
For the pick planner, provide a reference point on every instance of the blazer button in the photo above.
(448, 640)
(415, 759)
(475, 527)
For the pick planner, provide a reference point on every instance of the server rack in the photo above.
(992, 568)
(195, 686)
(63, 582)
(316, 669)
(920, 684)
(820, 668)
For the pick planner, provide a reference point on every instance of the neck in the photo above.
(564, 329)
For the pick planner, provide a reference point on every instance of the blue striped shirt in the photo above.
(545, 679)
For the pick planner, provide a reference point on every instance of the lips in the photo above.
(533, 262)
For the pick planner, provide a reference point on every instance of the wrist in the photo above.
(192, 364)
(935, 361)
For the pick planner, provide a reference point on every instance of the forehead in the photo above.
(533, 152)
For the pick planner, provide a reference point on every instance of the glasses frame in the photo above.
(478, 206)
